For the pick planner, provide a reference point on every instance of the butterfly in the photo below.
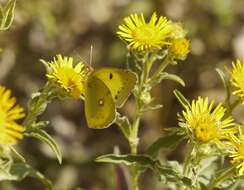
(105, 90)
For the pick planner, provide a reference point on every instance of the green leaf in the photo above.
(184, 102)
(168, 141)
(7, 15)
(142, 162)
(226, 84)
(166, 76)
(45, 137)
(127, 159)
(19, 171)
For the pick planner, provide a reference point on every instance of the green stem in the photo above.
(133, 138)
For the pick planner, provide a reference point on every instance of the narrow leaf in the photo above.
(226, 84)
(45, 137)
(175, 78)
(166, 76)
(7, 15)
(127, 159)
(184, 102)
(17, 154)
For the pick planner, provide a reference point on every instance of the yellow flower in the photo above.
(237, 78)
(142, 35)
(67, 76)
(180, 48)
(208, 124)
(237, 154)
(11, 132)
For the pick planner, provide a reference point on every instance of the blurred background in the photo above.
(44, 28)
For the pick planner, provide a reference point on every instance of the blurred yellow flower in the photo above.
(11, 132)
(237, 78)
(208, 124)
(177, 31)
(67, 76)
(180, 48)
(237, 154)
(142, 35)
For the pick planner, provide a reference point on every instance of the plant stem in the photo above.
(133, 139)
(142, 87)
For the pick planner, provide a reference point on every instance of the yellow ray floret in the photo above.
(237, 78)
(208, 124)
(10, 132)
(141, 35)
(68, 76)
(237, 153)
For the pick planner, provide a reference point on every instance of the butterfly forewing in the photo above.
(120, 83)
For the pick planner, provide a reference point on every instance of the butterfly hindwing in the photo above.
(99, 104)
(120, 83)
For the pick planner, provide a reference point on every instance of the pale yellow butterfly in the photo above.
(105, 90)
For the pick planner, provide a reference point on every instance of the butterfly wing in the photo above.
(99, 104)
(120, 83)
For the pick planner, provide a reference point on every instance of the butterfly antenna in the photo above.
(91, 51)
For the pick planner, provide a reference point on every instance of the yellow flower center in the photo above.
(205, 129)
(144, 34)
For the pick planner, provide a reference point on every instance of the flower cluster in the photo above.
(206, 124)
(156, 34)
